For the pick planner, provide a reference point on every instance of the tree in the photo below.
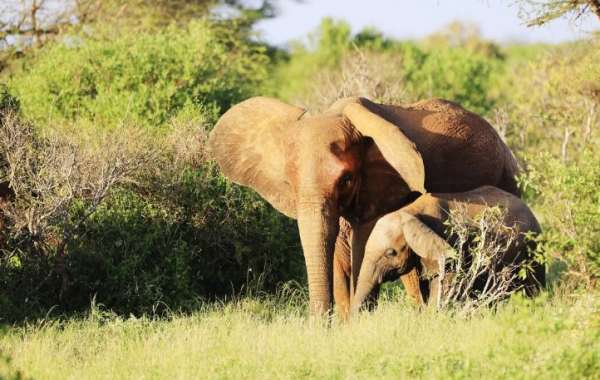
(539, 12)
(33, 22)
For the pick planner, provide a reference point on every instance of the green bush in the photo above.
(182, 232)
(135, 254)
(8, 102)
(554, 98)
(209, 239)
(458, 73)
(144, 77)
(567, 201)
(552, 105)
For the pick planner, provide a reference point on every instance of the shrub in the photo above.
(328, 66)
(167, 234)
(143, 78)
(456, 74)
(552, 115)
(567, 200)
(476, 276)
(553, 102)
(57, 185)
(361, 73)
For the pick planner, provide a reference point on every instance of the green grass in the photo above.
(550, 338)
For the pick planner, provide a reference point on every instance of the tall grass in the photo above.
(266, 337)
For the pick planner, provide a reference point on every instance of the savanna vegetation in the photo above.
(124, 253)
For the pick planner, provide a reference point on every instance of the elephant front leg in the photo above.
(341, 270)
(412, 284)
(373, 299)
(341, 287)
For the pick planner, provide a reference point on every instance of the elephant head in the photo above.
(350, 162)
(396, 239)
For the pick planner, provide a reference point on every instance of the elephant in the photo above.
(358, 160)
(407, 271)
(417, 231)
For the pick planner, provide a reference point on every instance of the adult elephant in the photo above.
(358, 160)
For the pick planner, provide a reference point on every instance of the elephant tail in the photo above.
(508, 181)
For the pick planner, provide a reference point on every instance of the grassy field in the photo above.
(556, 337)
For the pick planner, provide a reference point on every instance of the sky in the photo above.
(411, 19)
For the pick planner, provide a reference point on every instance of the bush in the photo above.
(553, 102)
(458, 73)
(210, 239)
(567, 200)
(165, 235)
(143, 78)
(552, 115)
(175, 231)
(476, 275)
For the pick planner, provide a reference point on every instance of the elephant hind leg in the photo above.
(508, 181)
(373, 298)
(535, 281)
(412, 284)
(341, 291)
(341, 273)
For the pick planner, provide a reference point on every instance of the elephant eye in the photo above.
(347, 179)
(391, 252)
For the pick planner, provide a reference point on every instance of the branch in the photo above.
(595, 5)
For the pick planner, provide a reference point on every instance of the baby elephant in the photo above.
(418, 230)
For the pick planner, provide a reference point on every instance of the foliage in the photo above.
(460, 71)
(49, 178)
(451, 73)
(463, 35)
(361, 73)
(325, 48)
(559, 115)
(8, 102)
(144, 78)
(552, 122)
(476, 275)
(568, 202)
(176, 232)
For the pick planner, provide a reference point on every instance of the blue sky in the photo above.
(404, 19)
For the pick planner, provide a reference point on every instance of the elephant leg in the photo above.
(373, 298)
(341, 271)
(412, 284)
(341, 289)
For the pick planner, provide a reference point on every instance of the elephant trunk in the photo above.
(367, 281)
(318, 227)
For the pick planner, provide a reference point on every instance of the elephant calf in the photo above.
(417, 231)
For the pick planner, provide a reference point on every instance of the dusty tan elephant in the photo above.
(359, 160)
(407, 270)
(417, 230)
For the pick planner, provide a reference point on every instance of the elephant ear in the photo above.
(432, 249)
(251, 141)
(397, 149)
(422, 239)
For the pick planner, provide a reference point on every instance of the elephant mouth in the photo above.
(392, 276)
